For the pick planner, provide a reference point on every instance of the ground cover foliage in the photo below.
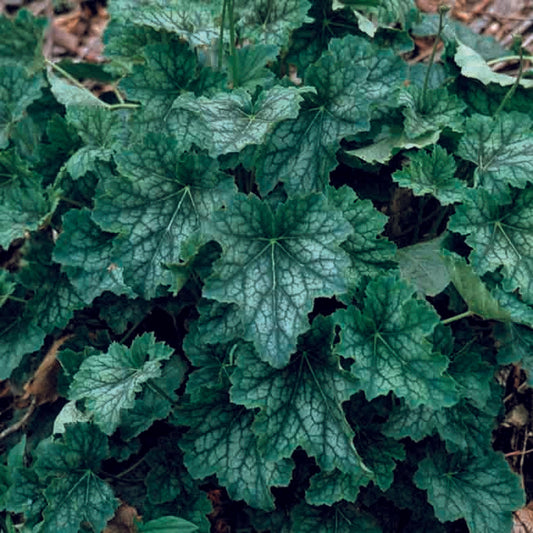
(276, 262)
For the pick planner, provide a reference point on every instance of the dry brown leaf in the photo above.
(523, 520)
(43, 383)
(123, 521)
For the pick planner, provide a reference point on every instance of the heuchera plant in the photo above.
(276, 259)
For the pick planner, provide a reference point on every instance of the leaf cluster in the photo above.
(275, 260)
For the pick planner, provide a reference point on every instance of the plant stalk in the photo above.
(442, 11)
(455, 318)
(513, 88)
(79, 85)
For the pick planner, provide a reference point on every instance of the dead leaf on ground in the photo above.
(43, 383)
(523, 520)
(124, 520)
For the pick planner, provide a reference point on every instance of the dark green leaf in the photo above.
(340, 518)
(369, 253)
(87, 255)
(167, 524)
(432, 173)
(351, 78)
(480, 489)
(501, 237)
(118, 374)
(22, 38)
(430, 112)
(251, 66)
(155, 401)
(161, 198)
(501, 147)
(301, 404)
(231, 121)
(274, 263)
(75, 493)
(388, 343)
(243, 468)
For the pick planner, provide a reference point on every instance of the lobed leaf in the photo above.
(274, 263)
(388, 343)
(110, 381)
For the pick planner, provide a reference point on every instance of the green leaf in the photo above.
(351, 78)
(520, 312)
(270, 21)
(196, 24)
(379, 452)
(217, 323)
(472, 374)
(251, 69)
(370, 254)
(422, 265)
(155, 401)
(388, 342)
(7, 286)
(515, 345)
(118, 374)
(243, 469)
(327, 488)
(464, 427)
(312, 38)
(168, 478)
(390, 140)
(500, 237)
(98, 127)
(22, 38)
(432, 173)
(340, 518)
(168, 71)
(430, 112)
(24, 205)
(214, 362)
(480, 489)
(86, 253)
(162, 197)
(393, 11)
(71, 95)
(473, 291)
(473, 65)
(232, 121)
(24, 494)
(501, 147)
(167, 524)
(18, 337)
(274, 263)
(301, 404)
(75, 494)
(120, 311)
(55, 298)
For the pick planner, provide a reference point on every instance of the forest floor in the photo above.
(76, 30)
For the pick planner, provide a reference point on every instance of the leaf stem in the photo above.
(455, 318)
(509, 58)
(513, 88)
(442, 11)
(79, 85)
(221, 38)
(69, 77)
(158, 390)
(130, 331)
(17, 299)
(233, 56)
